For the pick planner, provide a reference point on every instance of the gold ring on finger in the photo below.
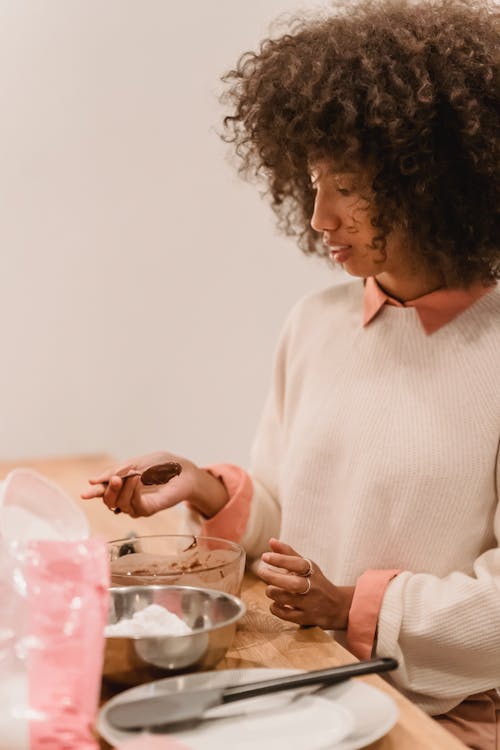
(303, 593)
(309, 571)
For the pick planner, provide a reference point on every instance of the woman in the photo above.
(376, 459)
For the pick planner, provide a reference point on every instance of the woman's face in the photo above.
(342, 214)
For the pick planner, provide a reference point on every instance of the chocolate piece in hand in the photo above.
(157, 474)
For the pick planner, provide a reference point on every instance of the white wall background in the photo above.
(143, 284)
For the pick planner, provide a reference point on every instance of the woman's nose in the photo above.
(324, 216)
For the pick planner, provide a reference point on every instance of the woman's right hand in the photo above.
(194, 485)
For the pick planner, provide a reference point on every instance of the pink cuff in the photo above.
(231, 521)
(365, 609)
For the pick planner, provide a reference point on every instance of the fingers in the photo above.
(299, 591)
(120, 487)
(100, 483)
(282, 548)
(125, 499)
(293, 584)
(95, 491)
(294, 564)
(99, 489)
(116, 471)
(112, 491)
(286, 598)
(293, 568)
(288, 583)
(289, 613)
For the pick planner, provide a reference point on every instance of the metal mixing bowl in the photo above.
(212, 616)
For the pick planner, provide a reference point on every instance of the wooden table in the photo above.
(262, 640)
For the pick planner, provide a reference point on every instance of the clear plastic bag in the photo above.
(53, 610)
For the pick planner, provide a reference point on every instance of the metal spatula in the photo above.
(162, 710)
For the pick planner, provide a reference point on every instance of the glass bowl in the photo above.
(177, 559)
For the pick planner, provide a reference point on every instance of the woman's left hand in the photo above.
(302, 598)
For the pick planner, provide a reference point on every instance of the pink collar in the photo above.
(434, 309)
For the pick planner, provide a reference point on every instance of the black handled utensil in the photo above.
(162, 710)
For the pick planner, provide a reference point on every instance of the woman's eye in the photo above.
(343, 191)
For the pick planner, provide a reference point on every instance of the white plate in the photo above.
(344, 717)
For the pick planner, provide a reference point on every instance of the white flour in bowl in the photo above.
(151, 621)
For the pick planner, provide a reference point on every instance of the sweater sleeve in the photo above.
(238, 520)
(445, 632)
(230, 522)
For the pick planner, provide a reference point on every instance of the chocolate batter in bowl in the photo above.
(177, 559)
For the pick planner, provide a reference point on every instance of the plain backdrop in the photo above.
(143, 283)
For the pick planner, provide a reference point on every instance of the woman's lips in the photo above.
(339, 253)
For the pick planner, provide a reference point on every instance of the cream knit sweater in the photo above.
(378, 448)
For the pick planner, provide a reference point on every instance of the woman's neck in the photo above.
(405, 288)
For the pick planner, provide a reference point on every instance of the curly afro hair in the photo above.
(405, 91)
